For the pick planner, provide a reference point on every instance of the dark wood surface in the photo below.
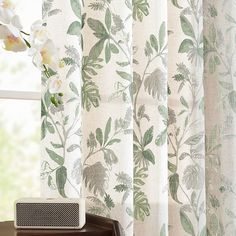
(95, 226)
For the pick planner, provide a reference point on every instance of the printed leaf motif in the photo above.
(99, 136)
(213, 224)
(73, 147)
(184, 102)
(74, 88)
(155, 84)
(54, 12)
(183, 155)
(124, 75)
(110, 157)
(98, 207)
(203, 231)
(107, 130)
(43, 130)
(232, 100)
(43, 109)
(141, 206)
(163, 230)
(154, 42)
(139, 176)
(187, 27)
(148, 136)
(61, 177)
(112, 141)
(91, 141)
(89, 65)
(148, 155)
(96, 50)
(51, 183)
(50, 127)
(148, 49)
(95, 177)
(74, 28)
(186, 223)
(136, 82)
(186, 46)
(162, 34)
(114, 49)
(75, 4)
(107, 53)
(173, 186)
(193, 177)
(55, 157)
(55, 145)
(172, 167)
(98, 28)
(108, 19)
(163, 111)
(171, 116)
(175, 3)
(226, 85)
(195, 139)
(161, 138)
(121, 188)
(90, 95)
(109, 202)
(97, 6)
(140, 9)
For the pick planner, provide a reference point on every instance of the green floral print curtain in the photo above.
(144, 123)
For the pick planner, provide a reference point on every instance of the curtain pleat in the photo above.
(186, 128)
(61, 129)
(145, 128)
(220, 67)
(107, 131)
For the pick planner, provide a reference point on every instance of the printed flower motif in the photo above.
(11, 42)
(55, 84)
(45, 54)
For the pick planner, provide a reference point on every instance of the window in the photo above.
(19, 120)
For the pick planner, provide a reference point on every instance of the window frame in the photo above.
(20, 95)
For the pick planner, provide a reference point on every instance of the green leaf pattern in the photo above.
(131, 128)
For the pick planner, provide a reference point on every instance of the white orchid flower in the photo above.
(11, 42)
(12, 21)
(10, 28)
(46, 54)
(6, 11)
(55, 84)
(39, 34)
(7, 4)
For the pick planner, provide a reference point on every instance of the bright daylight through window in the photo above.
(19, 120)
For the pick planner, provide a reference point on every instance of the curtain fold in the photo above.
(220, 67)
(145, 127)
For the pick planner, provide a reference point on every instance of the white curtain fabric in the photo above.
(145, 129)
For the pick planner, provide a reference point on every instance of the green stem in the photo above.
(142, 80)
(73, 186)
(50, 117)
(186, 195)
(24, 33)
(118, 45)
(92, 153)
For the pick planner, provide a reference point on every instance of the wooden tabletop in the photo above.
(95, 226)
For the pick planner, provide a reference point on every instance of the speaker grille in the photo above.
(47, 214)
